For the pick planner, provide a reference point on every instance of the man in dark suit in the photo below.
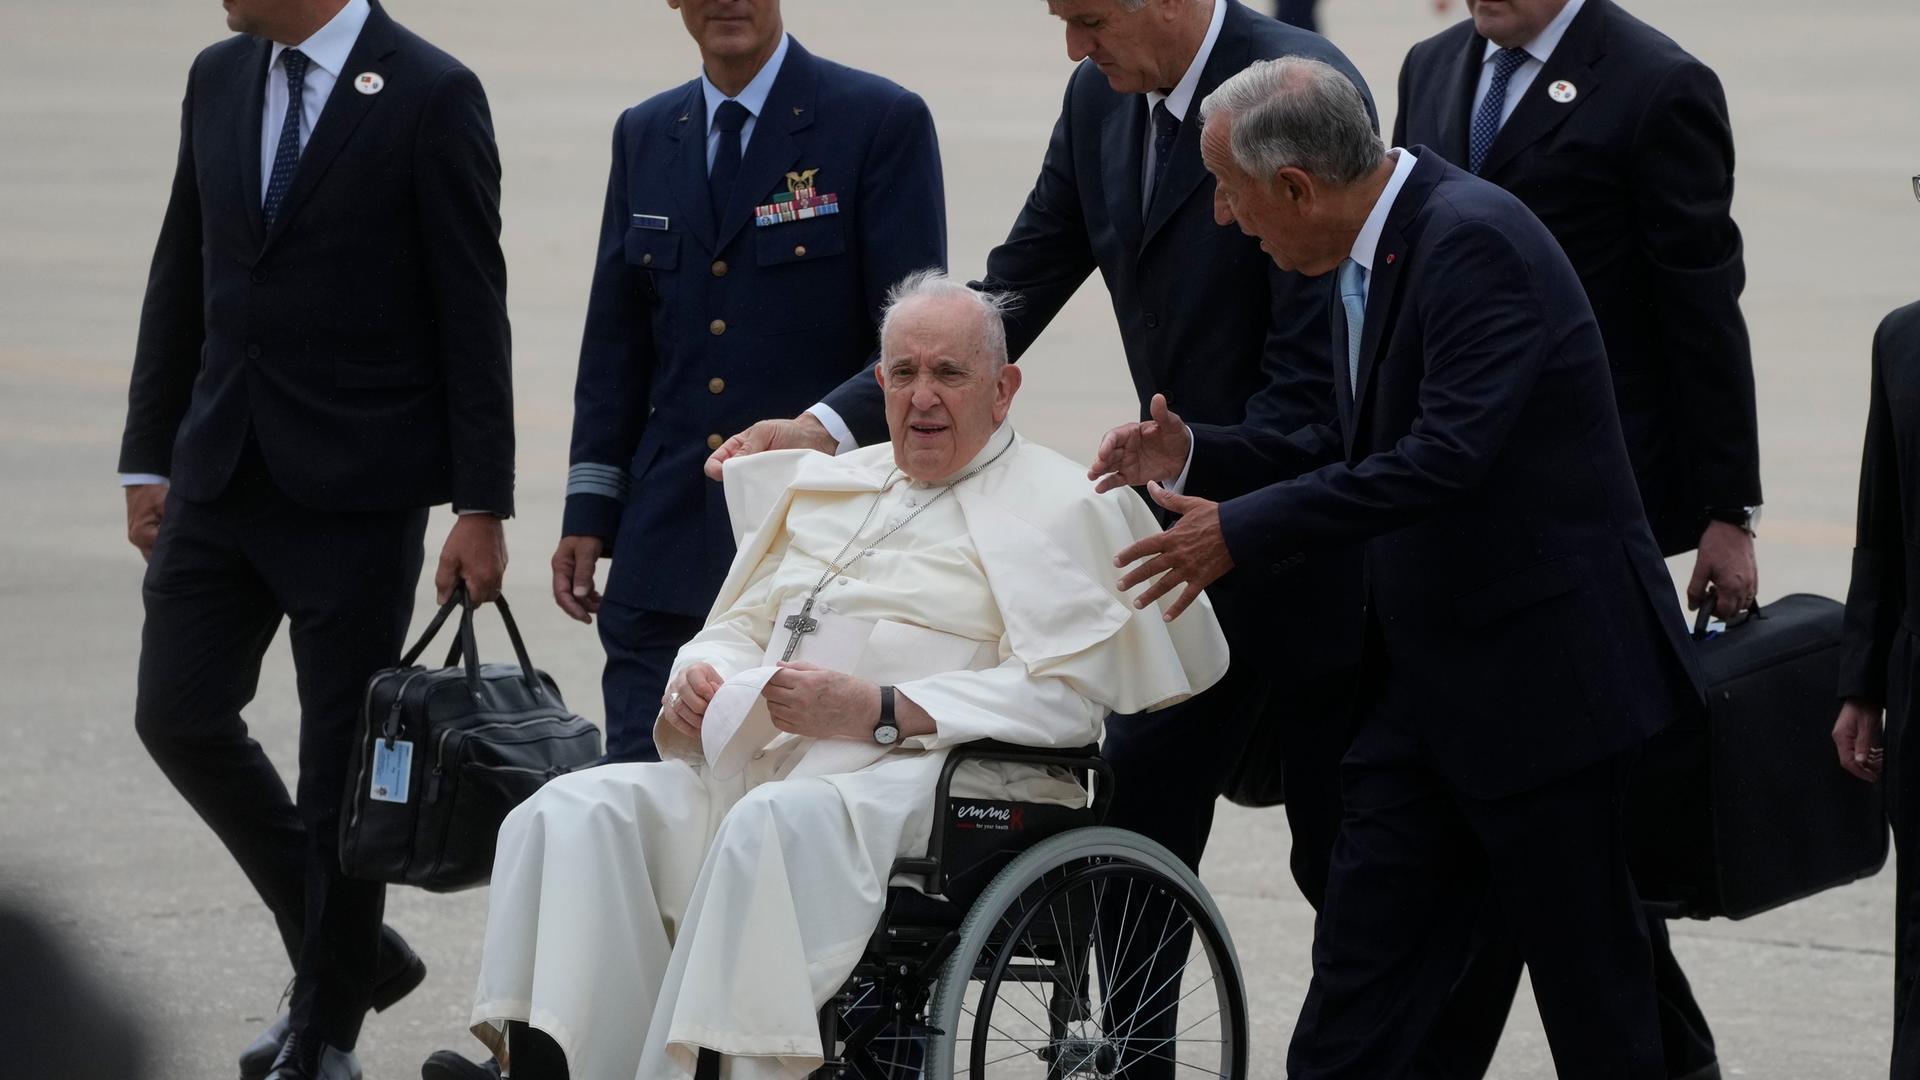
(1522, 638)
(1880, 667)
(323, 355)
(755, 218)
(1618, 140)
(1211, 323)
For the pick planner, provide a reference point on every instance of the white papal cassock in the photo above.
(720, 897)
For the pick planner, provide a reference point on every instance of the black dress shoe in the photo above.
(399, 972)
(447, 1065)
(306, 1055)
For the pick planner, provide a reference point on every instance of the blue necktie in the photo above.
(728, 119)
(1352, 280)
(1486, 120)
(286, 157)
(1166, 128)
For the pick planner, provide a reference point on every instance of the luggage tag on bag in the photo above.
(392, 771)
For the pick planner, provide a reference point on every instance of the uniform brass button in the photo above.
(800, 249)
(717, 327)
(715, 386)
(714, 441)
(719, 268)
(647, 259)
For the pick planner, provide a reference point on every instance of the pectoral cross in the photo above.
(801, 624)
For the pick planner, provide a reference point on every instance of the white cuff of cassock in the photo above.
(836, 427)
(135, 479)
(1179, 485)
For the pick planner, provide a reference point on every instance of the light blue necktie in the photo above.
(1352, 280)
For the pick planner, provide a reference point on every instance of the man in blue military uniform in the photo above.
(755, 218)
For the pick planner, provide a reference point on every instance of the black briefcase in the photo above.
(1747, 808)
(445, 753)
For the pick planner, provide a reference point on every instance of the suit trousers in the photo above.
(1170, 768)
(1468, 1032)
(1903, 809)
(223, 576)
(640, 647)
(1414, 865)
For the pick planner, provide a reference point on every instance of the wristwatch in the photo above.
(885, 731)
(1745, 518)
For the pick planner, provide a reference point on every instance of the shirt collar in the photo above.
(754, 96)
(1365, 245)
(1542, 46)
(328, 46)
(1181, 97)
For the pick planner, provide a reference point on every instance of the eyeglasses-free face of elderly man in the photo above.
(947, 382)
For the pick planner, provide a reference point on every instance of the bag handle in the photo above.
(458, 599)
(465, 644)
(1705, 615)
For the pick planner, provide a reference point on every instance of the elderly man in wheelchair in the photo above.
(898, 684)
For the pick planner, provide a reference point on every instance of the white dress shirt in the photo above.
(1179, 102)
(1180, 99)
(1365, 246)
(1537, 52)
(326, 52)
(753, 96)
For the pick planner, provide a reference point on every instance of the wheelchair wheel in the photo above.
(1095, 954)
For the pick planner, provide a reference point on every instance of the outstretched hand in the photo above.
(1192, 553)
(1151, 449)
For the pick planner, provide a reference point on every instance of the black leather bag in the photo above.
(1746, 808)
(445, 753)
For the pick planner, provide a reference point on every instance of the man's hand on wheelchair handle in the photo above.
(1133, 454)
(573, 565)
(687, 697)
(804, 432)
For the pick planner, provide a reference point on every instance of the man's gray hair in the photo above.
(933, 284)
(1296, 113)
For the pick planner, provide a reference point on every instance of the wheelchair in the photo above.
(1041, 944)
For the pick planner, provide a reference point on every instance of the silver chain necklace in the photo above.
(803, 623)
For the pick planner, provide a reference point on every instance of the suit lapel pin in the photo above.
(1389, 258)
(369, 83)
(797, 110)
(1562, 91)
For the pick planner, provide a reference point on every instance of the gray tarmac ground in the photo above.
(1826, 116)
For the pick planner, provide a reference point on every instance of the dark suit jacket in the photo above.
(1205, 317)
(691, 335)
(1634, 177)
(363, 340)
(1884, 600)
(1510, 572)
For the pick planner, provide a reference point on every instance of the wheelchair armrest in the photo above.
(1082, 759)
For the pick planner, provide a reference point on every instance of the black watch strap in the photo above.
(886, 705)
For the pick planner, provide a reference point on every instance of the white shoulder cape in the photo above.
(1046, 541)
